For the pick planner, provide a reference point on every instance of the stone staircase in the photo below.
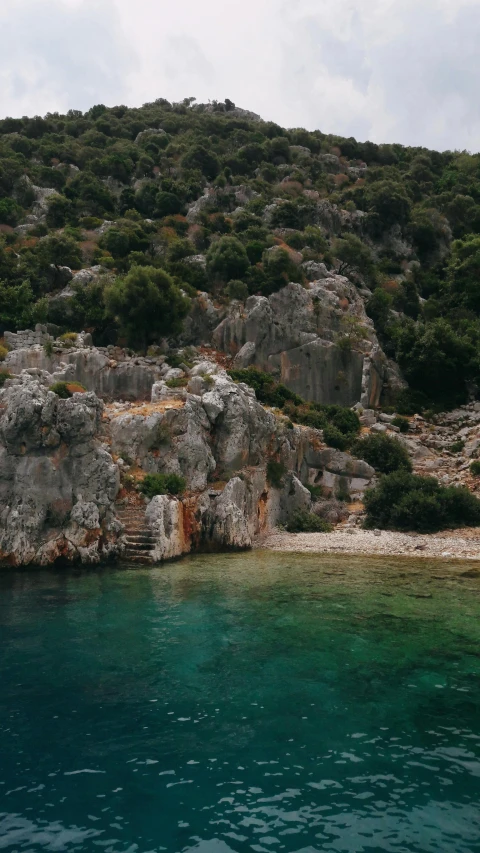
(139, 538)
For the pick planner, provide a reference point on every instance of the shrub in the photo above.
(315, 491)
(383, 453)
(268, 392)
(65, 390)
(303, 521)
(162, 484)
(48, 348)
(69, 339)
(410, 402)
(4, 375)
(237, 290)
(3, 352)
(457, 446)
(334, 438)
(342, 493)
(404, 501)
(275, 473)
(403, 424)
(475, 468)
(345, 420)
(160, 438)
(177, 382)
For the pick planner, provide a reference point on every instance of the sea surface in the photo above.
(247, 702)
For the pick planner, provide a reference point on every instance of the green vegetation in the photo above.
(383, 453)
(3, 352)
(162, 484)
(177, 382)
(402, 423)
(68, 339)
(457, 446)
(303, 521)
(475, 468)
(4, 375)
(147, 304)
(403, 501)
(65, 390)
(275, 473)
(403, 222)
(340, 425)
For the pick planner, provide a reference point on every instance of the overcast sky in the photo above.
(387, 70)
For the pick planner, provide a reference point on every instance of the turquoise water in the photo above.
(251, 702)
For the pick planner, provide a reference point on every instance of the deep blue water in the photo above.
(252, 702)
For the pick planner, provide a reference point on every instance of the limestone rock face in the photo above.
(165, 518)
(57, 483)
(317, 340)
(130, 379)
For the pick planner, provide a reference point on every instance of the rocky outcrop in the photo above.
(317, 340)
(218, 436)
(60, 461)
(58, 484)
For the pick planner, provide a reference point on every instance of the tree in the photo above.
(167, 204)
(60, 250)
(279, 270)
(354, 255)
(227, 259)
(464, 271)
(436, 360)
(378, 309)
(16, 303)
(147, 304)
(59, 211)
(389, 202)
(198, 157)
(10, 211)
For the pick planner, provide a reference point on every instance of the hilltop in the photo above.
(228, 204)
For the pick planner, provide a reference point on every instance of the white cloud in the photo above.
(389, 70)
(61, 54)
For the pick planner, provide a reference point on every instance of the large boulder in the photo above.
(317, 340)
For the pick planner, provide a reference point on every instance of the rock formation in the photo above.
(62, 462)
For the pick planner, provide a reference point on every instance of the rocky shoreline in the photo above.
(459, 544)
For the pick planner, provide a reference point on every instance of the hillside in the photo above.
(211, 199)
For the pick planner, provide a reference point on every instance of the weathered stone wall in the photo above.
(131, 379)
(27, 338)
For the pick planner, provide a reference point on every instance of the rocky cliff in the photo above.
(69, 467)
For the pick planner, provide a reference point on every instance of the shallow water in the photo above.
(260, 701)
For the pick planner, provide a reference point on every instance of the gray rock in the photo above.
(295, 333)
(164, 516)
(57, 484)
(245, 356)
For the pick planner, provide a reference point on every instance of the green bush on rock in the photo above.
(404, 501)
(383, 453)
(162, 484)
(275, 473)
(65, 390)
